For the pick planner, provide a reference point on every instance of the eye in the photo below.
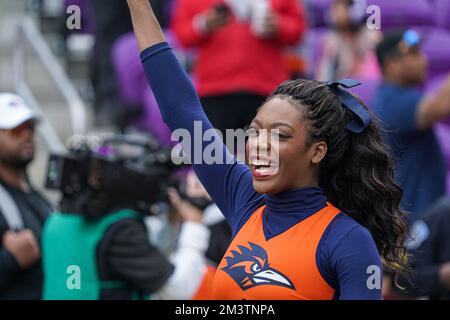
(256, 268)
(278, 135)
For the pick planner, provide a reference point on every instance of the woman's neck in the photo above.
(296, 200)
(290, 207)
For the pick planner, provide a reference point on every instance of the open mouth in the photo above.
(263, 169)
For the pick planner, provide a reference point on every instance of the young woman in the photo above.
(318, 225)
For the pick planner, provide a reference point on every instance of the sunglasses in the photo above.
(410, 41)
(411, 38)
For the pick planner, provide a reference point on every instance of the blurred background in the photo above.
(103, 79)
(88, 77)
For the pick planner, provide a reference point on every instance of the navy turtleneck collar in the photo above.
(286, 209)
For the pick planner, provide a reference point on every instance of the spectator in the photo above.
(409, 117)
(212, 217)
(165, 228)
(349, 48)
(240, 52)
(220, 234)
(430, 254)
(111, 22)
(112, 250)
(22, 209)
(120, 263)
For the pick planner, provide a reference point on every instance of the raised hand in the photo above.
(23, 246)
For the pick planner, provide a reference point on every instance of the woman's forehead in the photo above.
(278, 110)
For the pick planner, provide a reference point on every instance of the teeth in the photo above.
(260, 163)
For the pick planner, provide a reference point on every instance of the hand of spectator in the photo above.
(186, 210)
(212, 20)
(271, 26)
(444, 275)
(23, 246)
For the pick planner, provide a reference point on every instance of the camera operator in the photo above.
(188, 212)
(112, 251)
(165, 228)
(189, 198)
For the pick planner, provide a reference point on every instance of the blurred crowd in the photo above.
(236, 52)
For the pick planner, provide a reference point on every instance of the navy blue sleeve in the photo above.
(229, 183)
(349, 261)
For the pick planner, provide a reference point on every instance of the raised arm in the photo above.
(434, 107)
(146, 28)
(230, 182)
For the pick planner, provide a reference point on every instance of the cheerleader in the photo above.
(317, 222)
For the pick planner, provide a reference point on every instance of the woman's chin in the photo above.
(266, 186)
(267, 182)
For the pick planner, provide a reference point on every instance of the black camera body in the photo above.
(122, 171)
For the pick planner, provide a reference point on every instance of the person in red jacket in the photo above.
(240, 45)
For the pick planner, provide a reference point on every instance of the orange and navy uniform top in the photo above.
(296, 242)
(283, 267)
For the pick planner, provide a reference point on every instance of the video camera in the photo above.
(103, 174)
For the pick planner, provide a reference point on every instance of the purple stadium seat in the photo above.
(403, 13)
(129, 70)
(133, 86)
(134, 89)
(442, 10)
(128, 67)
(317, 10)
(433, 83)
(313, 43)
(394, 13)
(436, 45)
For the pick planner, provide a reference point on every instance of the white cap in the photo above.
(14, 111)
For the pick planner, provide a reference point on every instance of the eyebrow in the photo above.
(275, 124)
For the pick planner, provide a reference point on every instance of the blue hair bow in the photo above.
(362, 119)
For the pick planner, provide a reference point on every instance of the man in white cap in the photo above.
(22, 210)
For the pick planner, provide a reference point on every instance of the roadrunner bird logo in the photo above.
(251, 268)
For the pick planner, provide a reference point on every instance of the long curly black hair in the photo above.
(357, 171)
